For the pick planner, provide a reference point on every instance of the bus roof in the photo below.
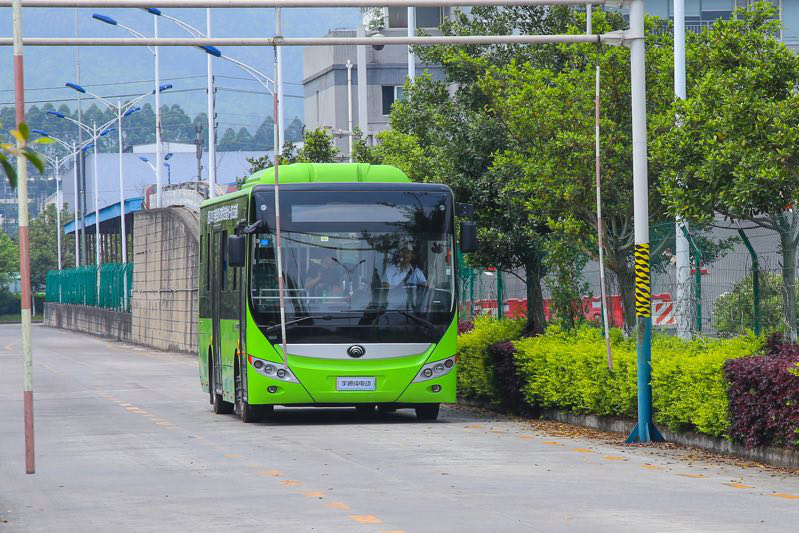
(328, 173)
(318, 173)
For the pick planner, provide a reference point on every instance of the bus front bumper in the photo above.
(318, 378)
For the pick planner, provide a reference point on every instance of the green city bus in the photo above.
(369, 276)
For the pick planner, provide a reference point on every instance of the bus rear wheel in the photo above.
(428, 411)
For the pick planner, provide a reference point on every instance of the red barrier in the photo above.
(662, 309)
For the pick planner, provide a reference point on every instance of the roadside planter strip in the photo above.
(737, 396)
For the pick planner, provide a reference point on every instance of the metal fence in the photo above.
(739, 289)
(110, 287)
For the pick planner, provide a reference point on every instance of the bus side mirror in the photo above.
(468, 236)
(236, 250)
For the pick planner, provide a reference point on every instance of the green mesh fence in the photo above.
(734, 283)
(111, 289)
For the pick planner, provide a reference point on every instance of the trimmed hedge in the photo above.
(476, 375)
(568, 370)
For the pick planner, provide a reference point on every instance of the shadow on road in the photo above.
(294, 416)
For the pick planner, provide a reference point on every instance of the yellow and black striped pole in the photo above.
(643, 294)
(645, 430)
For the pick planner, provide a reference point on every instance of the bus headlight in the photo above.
(436, 369)
(270, 370)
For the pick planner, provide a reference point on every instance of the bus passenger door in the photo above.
(216, 284)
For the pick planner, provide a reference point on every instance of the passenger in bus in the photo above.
(404, 273)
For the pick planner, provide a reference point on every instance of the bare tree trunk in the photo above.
(536, 321)
(788, 251)
(626, 279)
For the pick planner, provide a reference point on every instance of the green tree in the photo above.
(453, 136)
(318, 148)
(256, 164)
(733, 312)
(228, 141)
(736, 151)
(44, 246)
(264, 138)
(244, 141)
(9, 257)
(548, 114)
(294, 131)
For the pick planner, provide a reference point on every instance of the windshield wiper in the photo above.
(298, 320)
(418, 319)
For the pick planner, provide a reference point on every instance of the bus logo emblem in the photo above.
(356, 351)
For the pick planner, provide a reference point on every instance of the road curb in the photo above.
(772, 455)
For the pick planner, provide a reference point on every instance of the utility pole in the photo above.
(281, 126)
(348, 64)
(198, 145)
(211, 114)
(411, 33)
(645, 430)
(80, 204)
(682, 250)
(363, 110)
(24, 243)
(159, 156)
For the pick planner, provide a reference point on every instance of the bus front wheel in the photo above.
(221, 407)
(248, 413)
(428, 411)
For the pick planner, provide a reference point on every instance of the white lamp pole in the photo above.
(96, 207)
(279, 81)
(75, 156)
(411, 33)
(211, 115)
(363, 111)
(158, 154)
(58, 205)
(682, 251)
(122, 230)
(348, 64)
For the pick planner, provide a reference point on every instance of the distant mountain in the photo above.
(128, 70)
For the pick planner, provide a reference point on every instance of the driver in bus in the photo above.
(404, 273)
(324, 275)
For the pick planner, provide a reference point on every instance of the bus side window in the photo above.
(208, 263)
(223, 259)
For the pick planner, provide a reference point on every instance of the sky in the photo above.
(126, 71)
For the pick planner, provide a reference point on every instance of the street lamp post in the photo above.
(122, 111)
(157, 59)
(95, 133)
(169, 168)
(57, 162)
(348, 64)
(260, 77)
(264, 80)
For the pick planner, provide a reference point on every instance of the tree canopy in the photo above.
(735, 151)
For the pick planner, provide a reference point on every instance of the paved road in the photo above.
(127, 442)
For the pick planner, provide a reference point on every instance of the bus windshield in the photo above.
(367, 266)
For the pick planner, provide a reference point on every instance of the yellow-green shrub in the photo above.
(688, 385)
(476, 378)
(569, 370)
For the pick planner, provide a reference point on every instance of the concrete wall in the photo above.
(164, 302)
(101, 322)
(165, 258)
